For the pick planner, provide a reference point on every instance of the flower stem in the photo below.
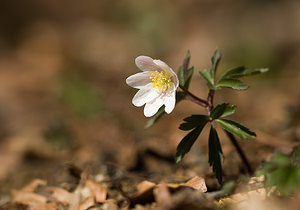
(194, 98)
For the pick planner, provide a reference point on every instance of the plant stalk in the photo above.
(240, 152)
(194, 98)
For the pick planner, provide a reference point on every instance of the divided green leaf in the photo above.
(188, 77)
(180, 75)
(185, 73)
(194, 121)
(187, 142)
(242, 71)
(215, 61)
(229, 79)
(237, 129)
(231, 83)
(215, 153)
(222, 110)
(209, 79)
(209, 76)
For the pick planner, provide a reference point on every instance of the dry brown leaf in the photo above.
(61, 195)
(145, 186)
(47, 206)
(87, 204)
(197, 183)
(97, 190)
(28, 198)
(145, 189)
(33, 185)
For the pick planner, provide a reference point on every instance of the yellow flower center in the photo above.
(161, 80)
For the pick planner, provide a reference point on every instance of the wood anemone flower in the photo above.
(157, 84)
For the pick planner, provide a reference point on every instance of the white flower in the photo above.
(157, 84)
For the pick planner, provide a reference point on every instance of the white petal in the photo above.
(164, 67)
(152, 107)
(175, 81)
(139, 80)
(161, 63)
(169, 101)
(144, 95)
(146, 63)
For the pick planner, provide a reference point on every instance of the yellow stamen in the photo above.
(161, 80)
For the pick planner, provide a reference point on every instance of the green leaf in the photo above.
(180, 75)
(232, 72)
(228, 188)
(186, 61)
(215, 62)
(230, 80)
(185, 73)
(209, 79)
(187, 142)
(232, 83)
(194, 121)
(179, 97)
(206, 75)
(222, 110)
(215, 153)
(188, 77)
(237, 129)
(230, 109)
(282, 172)
(209, 76)
(242, 71)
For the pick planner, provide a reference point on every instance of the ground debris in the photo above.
(37, 195)
(166, 195)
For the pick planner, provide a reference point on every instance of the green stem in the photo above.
(210, 100)
(194, 98)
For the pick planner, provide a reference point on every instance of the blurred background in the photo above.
(63, 96)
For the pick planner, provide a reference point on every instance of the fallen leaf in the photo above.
(197, 183)
(61, 195)
(87, 204)
(97, 190)
(145, 186)
(28, 198)
(145, 189)
(33, 185)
